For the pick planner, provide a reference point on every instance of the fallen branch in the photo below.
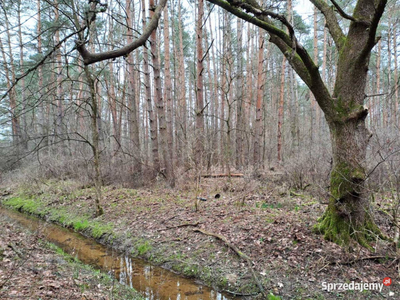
(16, 250)
(361, 259)
(240, 294)
(221, 175)
(240, 254)
(180, 225)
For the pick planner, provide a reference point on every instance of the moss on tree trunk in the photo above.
(349, 216)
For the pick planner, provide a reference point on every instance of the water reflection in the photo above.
(153, 282)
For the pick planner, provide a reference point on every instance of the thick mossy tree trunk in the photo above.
(349, 216)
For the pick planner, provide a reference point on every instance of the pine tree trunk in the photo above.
(95, 140)
(150, 111)
(260, 91)
(239, 98)
(162, 124)
(280, 109)
(24, 127)
(182, 110)
(396, 78)
(199, 148)
(132, 99)
(168, 91)
(10, 77)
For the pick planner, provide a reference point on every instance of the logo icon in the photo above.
(387, 281)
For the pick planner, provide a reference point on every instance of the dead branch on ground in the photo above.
(239, 253)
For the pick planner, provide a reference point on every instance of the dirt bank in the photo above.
(271, 226)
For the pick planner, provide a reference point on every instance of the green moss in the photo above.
(338, 230)
(191, 270)
(143, 248)
(26, 204)
(273, 297)
(80, 225)
(340, 182)
(99, 229)
(334, 228)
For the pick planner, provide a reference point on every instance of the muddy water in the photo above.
(152, 282)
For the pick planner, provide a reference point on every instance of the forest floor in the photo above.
(31, 268)
(270, 224)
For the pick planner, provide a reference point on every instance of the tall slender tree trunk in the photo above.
(168, 90)
(42, 119)
(222, 94)
(132, 99)
(317, 110)
(248, 99)
(162, 124)
(389, 107)
(24, 110)
(112, 100)
(239, 97)
(396, 77)
(377, 103)
(95, 145)
(215, 98)
(59, 89)
(259, 100)
(10, 77)
(182, 86)
(150, 111)
(280, 109)
(199, 147)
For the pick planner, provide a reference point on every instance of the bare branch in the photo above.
(90, 58)
(298, 57)
(41, 62)
(342, 12)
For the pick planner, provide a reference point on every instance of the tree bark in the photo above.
(182, 111)
(168, 91)
(396, 77)
(10, 77)
(24, 127)
(260, 91)
(162, 124)
(280, 110)
(150, 111)
(239, 98)
(95, 140)
(132, 100)
(199, 147)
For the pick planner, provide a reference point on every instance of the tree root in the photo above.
(240, 254)
(179, 226)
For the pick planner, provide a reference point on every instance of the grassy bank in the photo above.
(272, 228)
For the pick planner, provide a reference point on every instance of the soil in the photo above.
(30, 268)
(266, 222)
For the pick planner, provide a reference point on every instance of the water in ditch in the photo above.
(151, 281)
